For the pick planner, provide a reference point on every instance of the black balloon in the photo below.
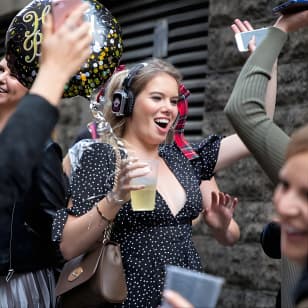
(24, 38)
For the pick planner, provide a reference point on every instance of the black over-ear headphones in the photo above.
(123, 100)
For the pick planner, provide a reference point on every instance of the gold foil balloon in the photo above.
(24, 38)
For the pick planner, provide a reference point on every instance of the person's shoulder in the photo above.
(207, 144)
(88, 144)
(89, 148)
(53, 147)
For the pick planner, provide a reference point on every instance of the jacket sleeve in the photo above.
(48, 194)
(22, 142)
(246, 106)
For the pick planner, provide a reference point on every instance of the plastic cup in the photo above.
(144, 199)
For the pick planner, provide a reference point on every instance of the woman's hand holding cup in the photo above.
(137, 179)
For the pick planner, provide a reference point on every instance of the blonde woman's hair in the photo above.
(138, 83)
(298, 143)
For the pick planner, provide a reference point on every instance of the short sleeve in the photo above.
(76, 151)
(207, 150)
(90, 182)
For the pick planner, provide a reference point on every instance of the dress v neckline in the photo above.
(165, 198)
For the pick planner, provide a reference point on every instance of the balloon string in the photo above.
(104, 129)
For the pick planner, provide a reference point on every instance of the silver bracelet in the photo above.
(112, 198)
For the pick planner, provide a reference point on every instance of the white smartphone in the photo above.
(243, 38)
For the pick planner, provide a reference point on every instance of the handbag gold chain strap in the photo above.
(108, 229)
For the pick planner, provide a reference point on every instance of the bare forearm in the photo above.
(81, 233)
(45, 78)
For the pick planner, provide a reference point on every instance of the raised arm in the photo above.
(232, 147)
(271, 91)
(26, 132)
(57, 65)
(246, 107)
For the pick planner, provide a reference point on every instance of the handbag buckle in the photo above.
(75, 274)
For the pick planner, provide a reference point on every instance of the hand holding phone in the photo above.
(291, 6)
(243, 38)
(199, 289)
(61, 9)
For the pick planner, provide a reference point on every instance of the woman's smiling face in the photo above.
(11, 90)
(155, 110)
(291, 202)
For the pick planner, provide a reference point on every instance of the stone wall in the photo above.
(74, 116)
(252, 279)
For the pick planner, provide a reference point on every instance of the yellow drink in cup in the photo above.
(144, 199)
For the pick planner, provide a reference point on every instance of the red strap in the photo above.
(179, 137)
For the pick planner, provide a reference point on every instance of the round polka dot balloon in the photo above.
(24, 38)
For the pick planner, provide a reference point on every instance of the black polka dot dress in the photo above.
(149, 240)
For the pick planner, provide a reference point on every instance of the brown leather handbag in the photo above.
(93, 279)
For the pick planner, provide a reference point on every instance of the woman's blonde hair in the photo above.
(138, 83)
(298, 143)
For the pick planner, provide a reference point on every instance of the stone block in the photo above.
(244, 265)
(234, 297)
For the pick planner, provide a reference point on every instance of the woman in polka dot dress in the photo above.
(142, 108)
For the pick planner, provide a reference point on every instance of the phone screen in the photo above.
(243, 38)
(291, 6)
(61, 9)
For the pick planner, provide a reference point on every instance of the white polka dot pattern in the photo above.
(149, 240)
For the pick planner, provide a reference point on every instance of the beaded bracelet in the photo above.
(101, 214)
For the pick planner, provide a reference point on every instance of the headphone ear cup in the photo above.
(119, 100)
(130, 101)
(123, 100)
